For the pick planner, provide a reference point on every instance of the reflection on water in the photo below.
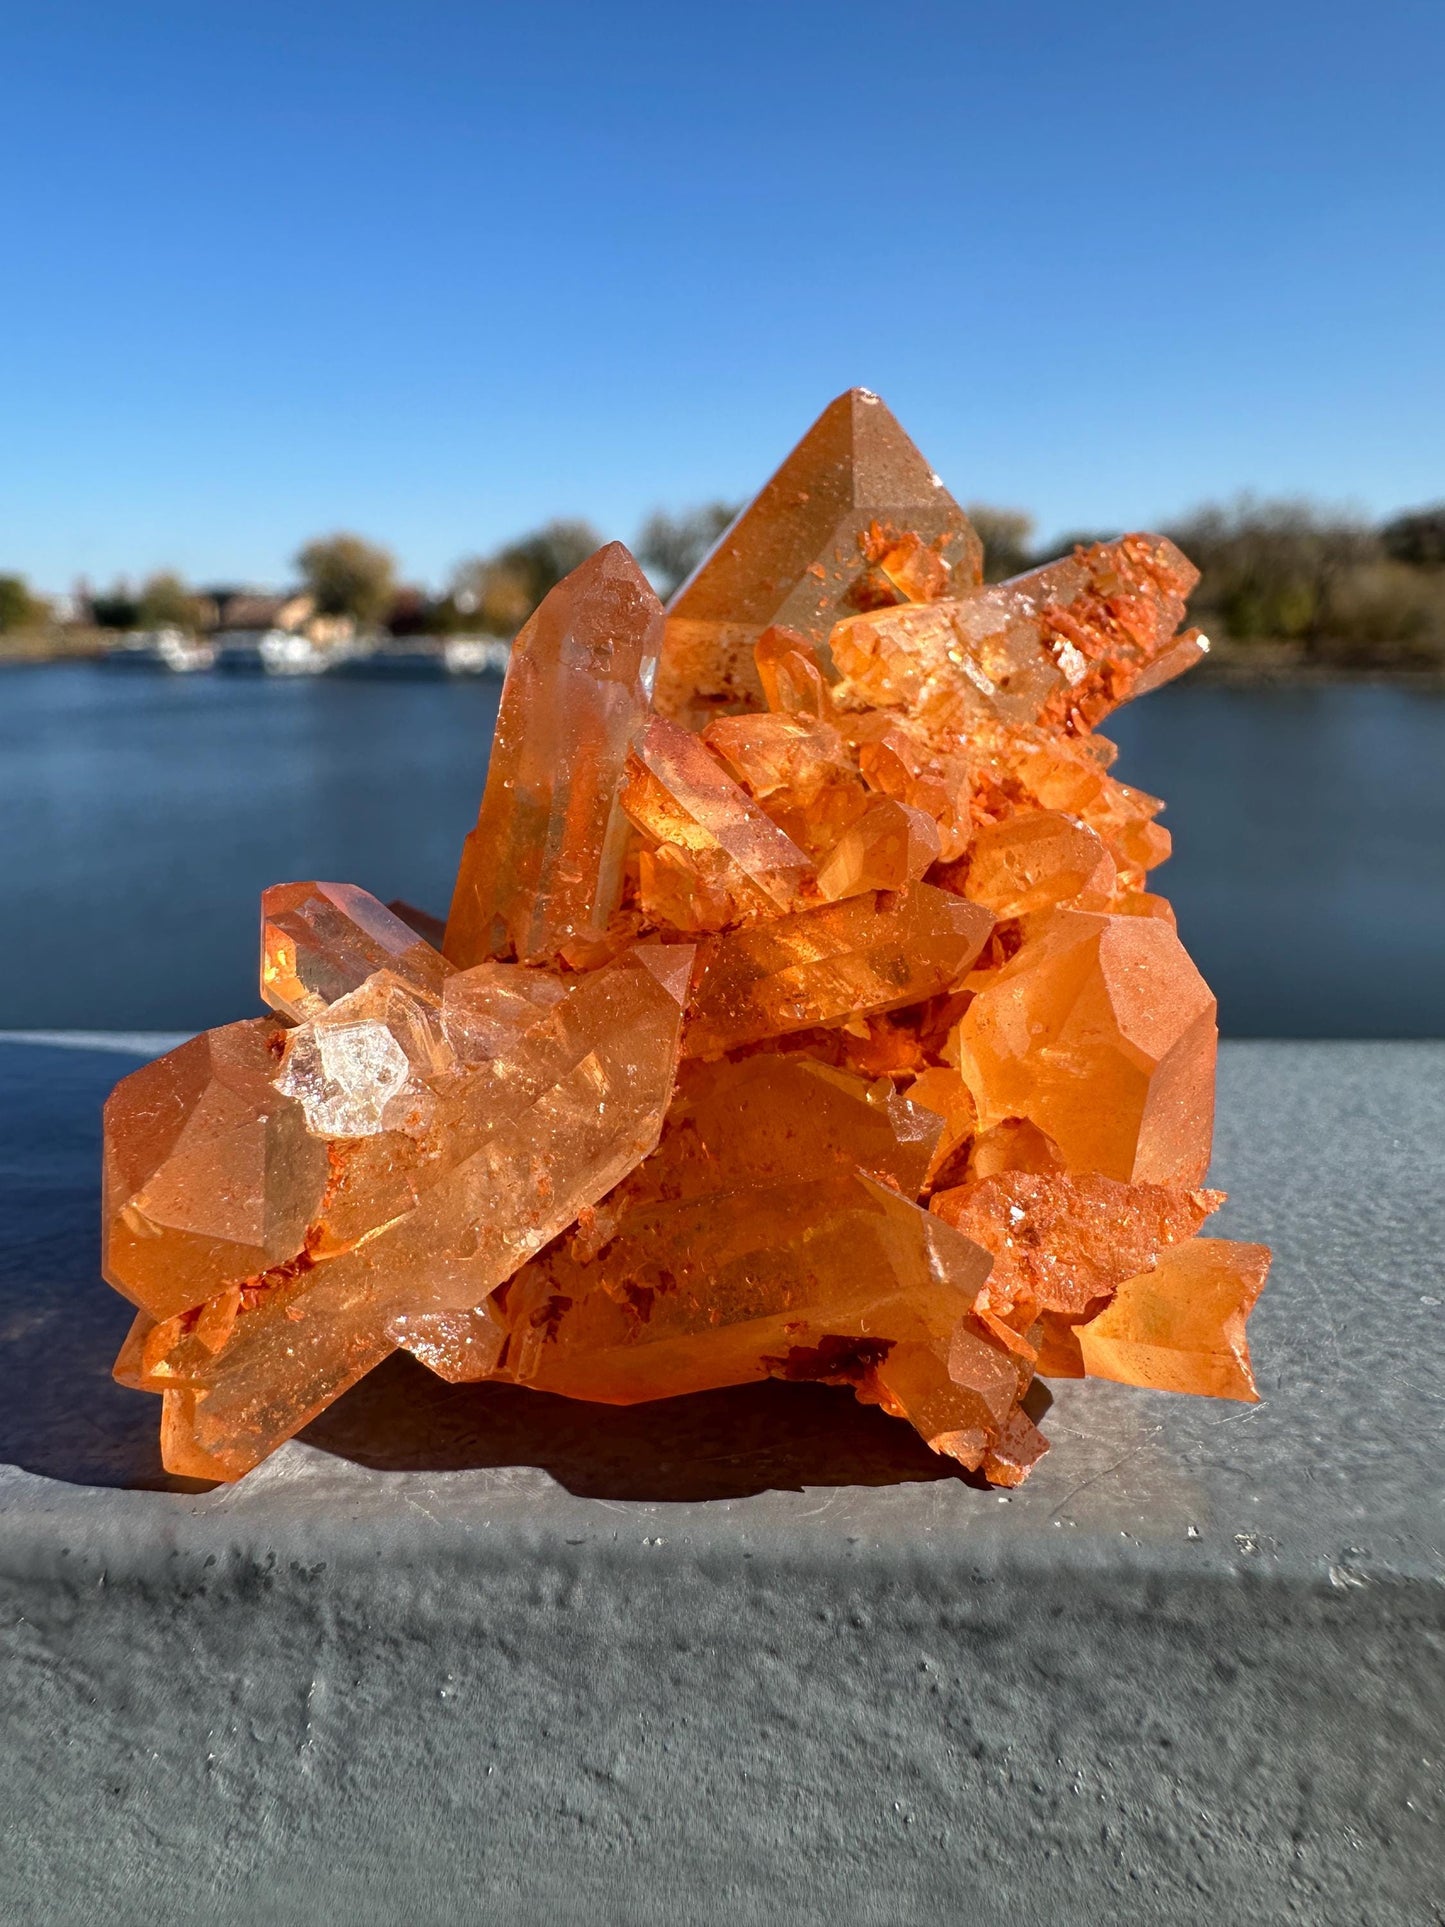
(142, 814)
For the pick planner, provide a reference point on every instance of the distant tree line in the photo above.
(1330, 588)
(345, 578)
(1320, 586)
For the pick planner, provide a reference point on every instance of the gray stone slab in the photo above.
(475, 1654)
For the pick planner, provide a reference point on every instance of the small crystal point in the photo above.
(320, 941)
(1180, 1326)
(1102, 1033)
(543, 866)
(807, 551)
(679, 794)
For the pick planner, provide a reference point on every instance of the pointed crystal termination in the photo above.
(679, 793)
(1101, 1032)
(854, 519)
(321, 940)
(543, 867)
(1180, 1327)
(210, 1174)
(405, 1230)
(1037, 860)
(1063, 645)
(888, 847)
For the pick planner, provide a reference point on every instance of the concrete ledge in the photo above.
(472, 1654)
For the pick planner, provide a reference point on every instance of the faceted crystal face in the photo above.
(827, 536)
(1060, 1242)
(516, 1147)
(210, 1172)
(742, 1284)
(1065, 644)
(679, 794)
(1180, 1327)
(1101, 1032)
(321, 940)
(869, 953)
(1038, 860)
(544, 864)
(886, 848)
(818, 1025)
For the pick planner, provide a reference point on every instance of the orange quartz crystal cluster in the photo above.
(803, 1012)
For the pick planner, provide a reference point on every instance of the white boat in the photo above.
(166, 648)
(283, 653)
(476, 655)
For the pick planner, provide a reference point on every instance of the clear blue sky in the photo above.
(438, 271)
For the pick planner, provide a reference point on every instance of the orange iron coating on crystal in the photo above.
(799, 555)
(844, 1041)
(544, 864)
(1180, 1326)
(679, 794)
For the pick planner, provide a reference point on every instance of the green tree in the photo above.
(498, 592)
(1006, 535)
(670, 547)
(1274, 569)
(348, 576)
(166, 603)
(19, 608)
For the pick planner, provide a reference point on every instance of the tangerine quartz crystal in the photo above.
(808, 1019)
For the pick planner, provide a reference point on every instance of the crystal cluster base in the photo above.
(803, 1012)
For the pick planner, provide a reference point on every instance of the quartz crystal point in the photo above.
(1180, 1326)
(1039, 860)
(1065, 644)
(210, 1175)
(679, 794)
(854, 518)
(1101, 1032)
(319, 940)
(403, 1224)
(818, 1025)
(886, 848)
(544, 864)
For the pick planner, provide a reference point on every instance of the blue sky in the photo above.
(438, 271)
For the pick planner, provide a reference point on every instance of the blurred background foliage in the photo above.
(1283, 583)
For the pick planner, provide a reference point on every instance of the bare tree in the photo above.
(1417, 538)
(1006, 535)
(498, 592)
(670, 547)
(1273, 568)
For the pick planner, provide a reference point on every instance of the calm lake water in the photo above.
(141, 814)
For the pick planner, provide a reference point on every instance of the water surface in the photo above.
(141, 814)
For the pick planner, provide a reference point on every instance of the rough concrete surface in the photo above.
(472, 1654)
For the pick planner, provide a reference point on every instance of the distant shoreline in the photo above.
(1229, 665)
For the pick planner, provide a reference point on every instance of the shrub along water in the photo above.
(1282, 583)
